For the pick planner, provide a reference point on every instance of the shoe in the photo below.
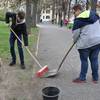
(77, 80)
(22, 66)
(12, 63)
(95, 81)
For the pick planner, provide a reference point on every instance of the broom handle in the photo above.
(27, 49)
(68, 51)
(65, 56)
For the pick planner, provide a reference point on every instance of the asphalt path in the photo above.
(54, 42)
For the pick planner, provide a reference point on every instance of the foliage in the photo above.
(2, 17)
(70, 25)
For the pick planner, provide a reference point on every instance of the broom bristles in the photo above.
(42, 71)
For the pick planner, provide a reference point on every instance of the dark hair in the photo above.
(21, 14)
(77, 7)
(11, 15)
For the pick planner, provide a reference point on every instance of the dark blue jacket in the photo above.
(83, 21)
(86, 30)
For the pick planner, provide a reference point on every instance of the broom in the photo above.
(44, 69)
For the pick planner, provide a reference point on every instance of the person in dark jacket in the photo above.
(20, 29)
(61, 23)
(86, 35)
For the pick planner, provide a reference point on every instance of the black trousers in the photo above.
(19, 45)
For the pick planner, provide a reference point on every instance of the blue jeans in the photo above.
(91, 53)
(12, 47)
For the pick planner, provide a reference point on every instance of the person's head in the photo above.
(20, 16)
(77, 9)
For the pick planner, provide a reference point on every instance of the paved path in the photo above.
(54, 42)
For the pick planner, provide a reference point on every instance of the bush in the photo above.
(70, 25)
(2, 15)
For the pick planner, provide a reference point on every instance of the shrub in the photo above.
(70, 25)
(2, 16)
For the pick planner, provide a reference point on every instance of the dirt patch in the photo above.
(17, 84)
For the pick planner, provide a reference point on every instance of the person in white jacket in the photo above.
(86, 35)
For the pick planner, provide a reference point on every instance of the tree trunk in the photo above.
(39, 7)
(53, 11)
(87, 4)
(65, 8)
(28, 16)
(38, 15)
(76, 1)
(60, 12)
(34, 12)
(93, 5)
(69, 9)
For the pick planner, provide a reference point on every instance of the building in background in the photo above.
(46, 15)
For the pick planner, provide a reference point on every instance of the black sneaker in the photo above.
(22, 66)
(12, 64)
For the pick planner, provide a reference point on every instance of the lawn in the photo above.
(4, 41)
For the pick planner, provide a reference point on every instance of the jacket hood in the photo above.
(84, 14)
(85, 18)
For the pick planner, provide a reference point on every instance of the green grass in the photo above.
(4, 40)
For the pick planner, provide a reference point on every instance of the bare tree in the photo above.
(69, 9)
(28, 15)
(87, 4)
(93, 5)
(39, 8)
(34, 12)
(53, 10)
(65, 7)
(76, 1)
